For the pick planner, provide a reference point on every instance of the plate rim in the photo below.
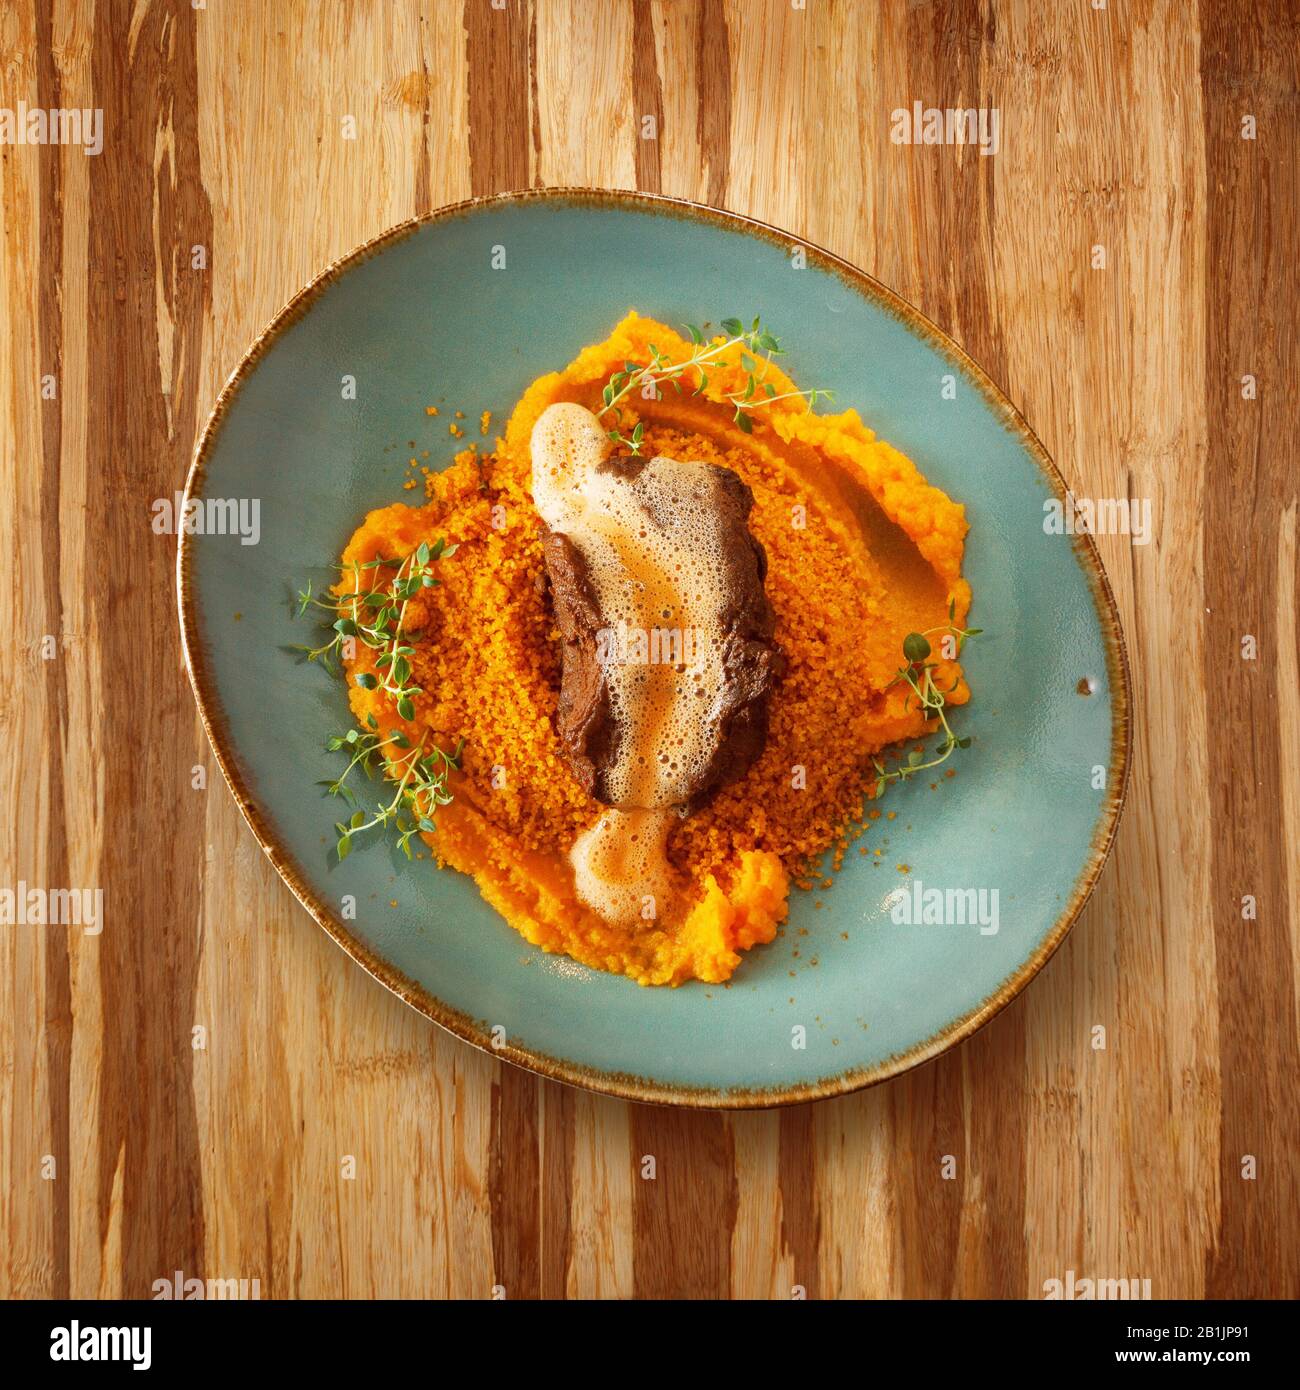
(624, 1085)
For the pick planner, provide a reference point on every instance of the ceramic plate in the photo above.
(427, 312)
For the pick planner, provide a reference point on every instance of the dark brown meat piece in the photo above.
(584, 719)
(751, 660)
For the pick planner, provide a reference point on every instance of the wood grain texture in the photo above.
(324, 1139)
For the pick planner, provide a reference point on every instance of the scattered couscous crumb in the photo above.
(892, 815)
(455, 430)
(460, 414)
(430, 409)
(484, 422)
(903, 868)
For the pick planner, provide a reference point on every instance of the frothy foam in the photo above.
(655, 556)
(620, 866)
(655, 552)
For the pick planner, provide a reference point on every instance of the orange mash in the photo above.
(861, 551)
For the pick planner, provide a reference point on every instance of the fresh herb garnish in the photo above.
(918, 673)
(758, 347)
(421, 785)
(374, 613)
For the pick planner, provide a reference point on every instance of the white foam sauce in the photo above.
(620, 866)
(654, 552)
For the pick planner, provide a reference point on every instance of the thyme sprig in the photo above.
(421, 784)
(758, 347)
(918, 674)
(376, 616)
(373, 611)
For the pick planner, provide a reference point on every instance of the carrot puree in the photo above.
(861, 551)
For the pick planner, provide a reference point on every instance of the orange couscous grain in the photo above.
(487, 656)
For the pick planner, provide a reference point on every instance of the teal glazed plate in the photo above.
(468, 306)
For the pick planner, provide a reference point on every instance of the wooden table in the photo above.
(132, 1146)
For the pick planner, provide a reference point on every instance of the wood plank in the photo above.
(1253, 470)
